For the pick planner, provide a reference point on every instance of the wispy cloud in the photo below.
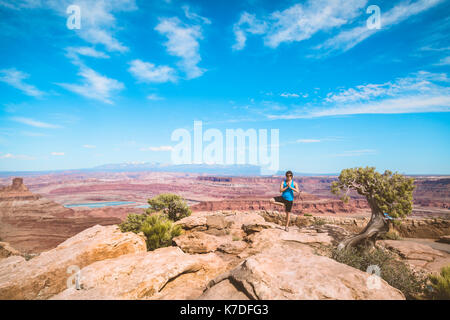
(73, 52)
(347, 39)
(289, 95)
(419, 92)
(35, 123)
(308, 140)
(248, 23)
(89, 146)
(183, 42)
(444, 61)
(57, 154)
(15, 78)
(16, 156)
(94, 85)
(194, 16)
(98, 23)
(148, 72)
(154, 97)
(355, 153)
(161, 148)
(297, 23)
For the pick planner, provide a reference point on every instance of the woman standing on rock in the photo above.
(287, 189)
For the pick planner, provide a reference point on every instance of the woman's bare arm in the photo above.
(296, 189)
(281, 187)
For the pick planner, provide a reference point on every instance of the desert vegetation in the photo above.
(440, 285)
(396, 273)
(390, 193)
(157, 224)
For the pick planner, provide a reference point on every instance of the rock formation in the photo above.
(47, 274)
(31, 223)
(221, 255)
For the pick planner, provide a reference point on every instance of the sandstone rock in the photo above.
(47, 274)
(233, 247)
(445, 239)
(418, 256)
(6, 250)
(199, 242)
(196, 221)
(290, 271)
(149, 275)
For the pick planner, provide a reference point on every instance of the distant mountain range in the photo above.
(222, 170)
(236, 170)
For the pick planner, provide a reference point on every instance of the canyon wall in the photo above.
(31, 223)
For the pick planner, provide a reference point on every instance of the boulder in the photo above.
(291, 271)
(6, 250)
(419, 256)
(444, 239)
(47, 274)
(199, 242)
(165, 273)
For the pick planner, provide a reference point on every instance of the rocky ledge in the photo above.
(220, 255)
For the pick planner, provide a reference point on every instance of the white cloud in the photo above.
(301, 21)
(161, 148)
(94, 86)
(347, 39)
(148, 72)
(298, 22)
(444, 61)
(193, 16)
(419, 92)
(289, 95)
(34, 123)
(356, 153)
(308, 140)
(15, 78)
(154, 97)
(16, 156)
(254, 26)
(57, 154)
(183, 43)
(98, 23)
(89, 146)
(72, 52)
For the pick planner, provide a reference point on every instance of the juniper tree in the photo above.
(388, 192)
(172, 205)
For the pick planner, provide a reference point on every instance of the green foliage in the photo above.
(390, 236)
(394, 272)
(171, 205)
(158, 229)
(387, 192)
(440, 285)
(397, 223)
(308, 215)
(235, 238)
(133, 223)
(319, 222)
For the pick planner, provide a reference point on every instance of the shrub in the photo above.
(440, 285)
(307, 215)
(171, 205)
(236, 238)
(394, 272)
(319, 222)
(133, 223)
(158, 229)
(391, 235)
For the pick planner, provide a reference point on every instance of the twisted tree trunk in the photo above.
(367, 237)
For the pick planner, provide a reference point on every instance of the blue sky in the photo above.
(341, 94)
